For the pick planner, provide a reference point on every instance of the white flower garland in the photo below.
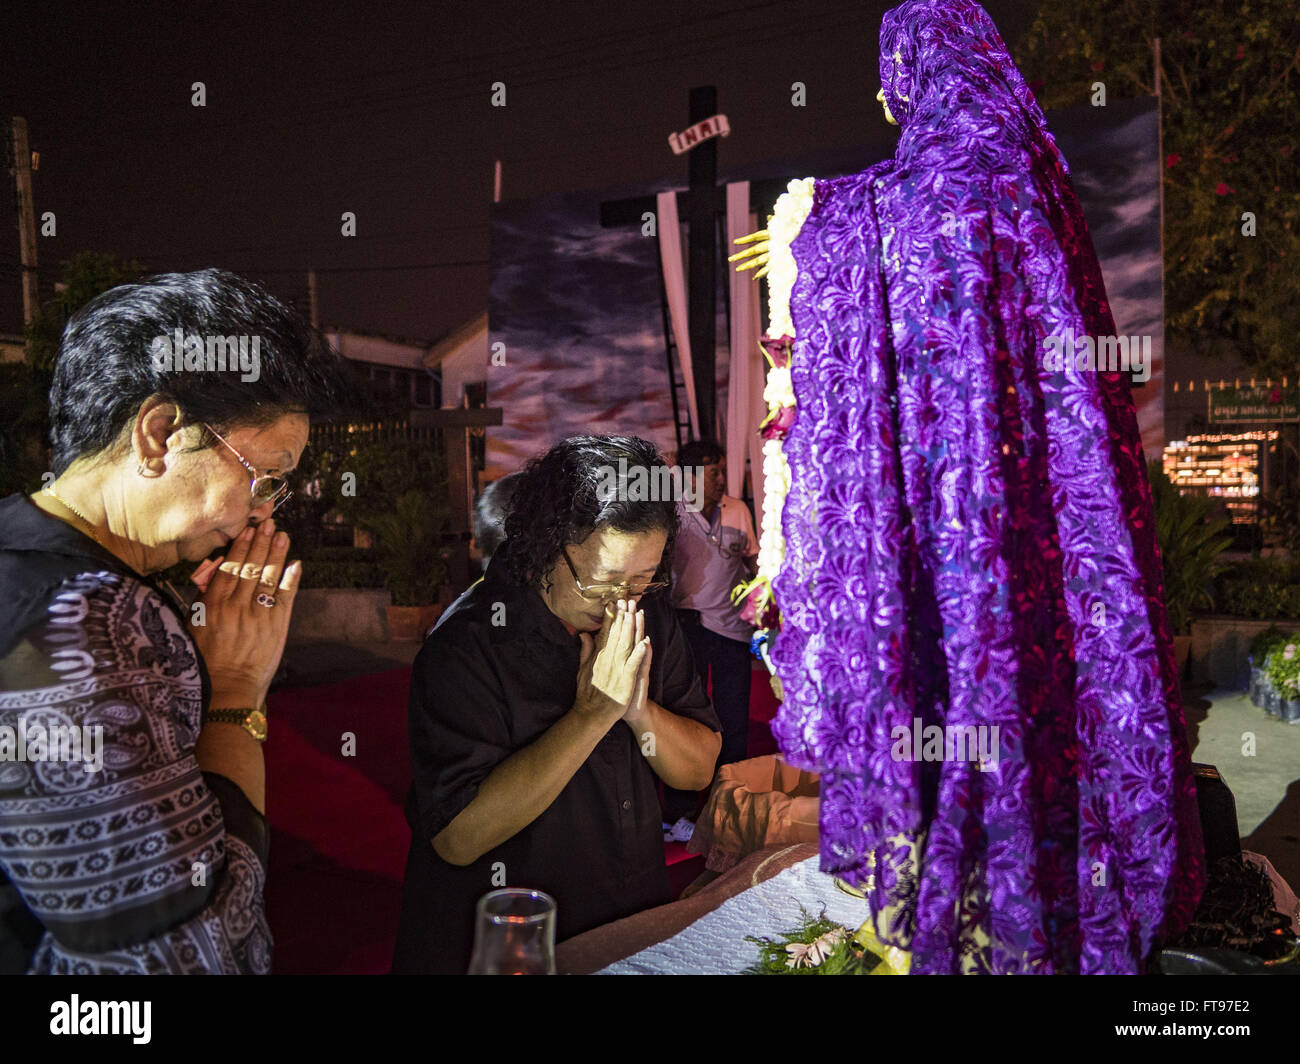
(776, 485)
(787, 219)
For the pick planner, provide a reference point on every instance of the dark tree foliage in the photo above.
(1230, 90)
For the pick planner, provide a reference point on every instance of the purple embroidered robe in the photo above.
(970, 545)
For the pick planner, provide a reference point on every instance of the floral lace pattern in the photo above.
(970, 541)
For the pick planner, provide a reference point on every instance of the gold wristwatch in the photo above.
(252, 721)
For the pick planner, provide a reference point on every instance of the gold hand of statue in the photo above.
(756, 256)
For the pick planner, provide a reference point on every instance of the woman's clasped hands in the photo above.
(248, 598)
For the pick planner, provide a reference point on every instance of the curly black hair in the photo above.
(563, 497)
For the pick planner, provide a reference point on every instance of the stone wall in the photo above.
(1220, 646)
(339, 615)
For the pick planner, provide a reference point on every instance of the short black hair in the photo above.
(562, 498)
(490, 514)
(106, 366)
(699, 453)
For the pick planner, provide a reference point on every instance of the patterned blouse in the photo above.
(117, 853)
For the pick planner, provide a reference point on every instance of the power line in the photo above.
(145, 260)
(325, 246)
(347, 269)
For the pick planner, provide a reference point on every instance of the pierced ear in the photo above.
(154, 426)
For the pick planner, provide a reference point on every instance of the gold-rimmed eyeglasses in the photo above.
(610, 592)
(263, 487)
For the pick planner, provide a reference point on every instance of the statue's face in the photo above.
(888, 114)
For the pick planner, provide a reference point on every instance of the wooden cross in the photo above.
(700, 207)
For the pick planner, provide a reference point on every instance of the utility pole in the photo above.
(22, 171)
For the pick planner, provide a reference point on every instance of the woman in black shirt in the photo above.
(545, 704)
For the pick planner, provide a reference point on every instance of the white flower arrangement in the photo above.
(776, 485)
(788, 216)
(779, 390)
(787, 219)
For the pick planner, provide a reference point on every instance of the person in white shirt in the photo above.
(715, 550)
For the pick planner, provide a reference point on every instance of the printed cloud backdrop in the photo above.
(578, 306)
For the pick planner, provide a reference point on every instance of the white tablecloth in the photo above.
(715, 944)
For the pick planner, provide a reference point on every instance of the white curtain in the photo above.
(670, 254)
(745, 407)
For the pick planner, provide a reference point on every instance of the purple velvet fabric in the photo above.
(970, 542)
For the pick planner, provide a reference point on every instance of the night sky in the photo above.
(385, 110)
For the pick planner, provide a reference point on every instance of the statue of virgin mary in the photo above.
(974, 648)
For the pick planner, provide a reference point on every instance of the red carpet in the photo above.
(337, 774)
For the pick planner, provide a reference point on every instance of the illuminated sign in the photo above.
(1265, 402)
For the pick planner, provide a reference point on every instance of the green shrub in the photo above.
(342, 567)
(397, 491)
(402, 499)
(24, 429)
(410, 548)
(1283, 668)
(1190, 540)
(1267, 640)
(1259, 589)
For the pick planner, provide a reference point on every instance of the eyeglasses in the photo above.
(264, 487)
(609, 592)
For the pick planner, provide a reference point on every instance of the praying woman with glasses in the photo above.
(545, 707)
(136, 843)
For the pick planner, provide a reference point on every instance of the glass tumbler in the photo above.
(514, 933)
